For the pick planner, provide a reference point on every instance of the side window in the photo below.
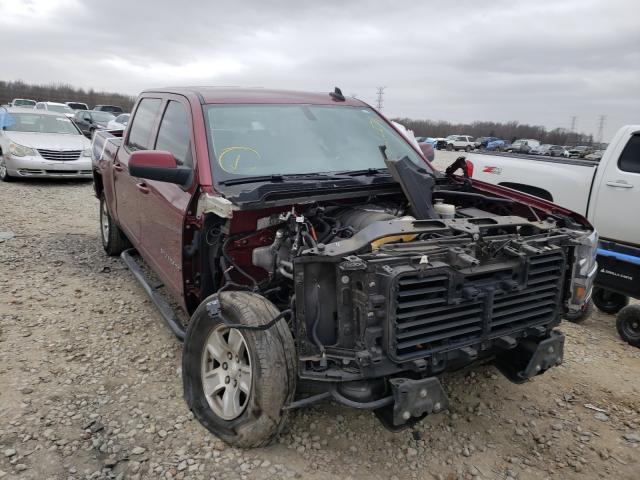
(174, 135)
(630, 158)
(143, 123)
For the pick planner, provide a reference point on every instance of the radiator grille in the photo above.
(426, 321)
(61, 155)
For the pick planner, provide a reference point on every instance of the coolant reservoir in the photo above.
(445, 210)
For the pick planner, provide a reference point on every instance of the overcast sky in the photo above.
(536, 62)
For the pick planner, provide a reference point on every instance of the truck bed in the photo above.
(540, 158)
(564, 181)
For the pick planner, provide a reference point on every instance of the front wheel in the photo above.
(237, 381)
(4, 173)
(467, 148)
(628, 324)
(449, 147)
(608, 301)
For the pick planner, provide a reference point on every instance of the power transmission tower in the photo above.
(601, 121)
(380, 93)
(573, 123)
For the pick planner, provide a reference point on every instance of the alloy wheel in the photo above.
(226, 372)
(104, 221)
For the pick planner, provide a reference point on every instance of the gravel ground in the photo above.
(90, 385)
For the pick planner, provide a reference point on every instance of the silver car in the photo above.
(36, 143)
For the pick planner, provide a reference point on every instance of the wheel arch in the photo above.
(530, 189)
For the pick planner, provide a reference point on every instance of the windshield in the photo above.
(39, 123)
(59, 108)
(102, 117)
(289, 139)
(19, 102)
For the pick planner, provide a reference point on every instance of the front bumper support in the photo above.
(531, 358)
(412, 401)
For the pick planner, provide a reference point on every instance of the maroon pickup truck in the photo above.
(318, 255)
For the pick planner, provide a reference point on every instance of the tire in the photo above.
(608, 301)
(4, 174)
(628, 324)
(581, 316)
(114, 240)
(467, 148)
(449, 147)
(258, 417)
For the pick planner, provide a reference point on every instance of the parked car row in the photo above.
(101, 117)
(60, 107)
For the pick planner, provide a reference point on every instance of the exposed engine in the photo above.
(378, 288)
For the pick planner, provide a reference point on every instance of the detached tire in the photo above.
(237, 381)
(114, 240)
(608, 301)
(628, 324)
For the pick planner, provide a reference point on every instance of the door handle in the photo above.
(142, 187)
(619, 184)
(117, 167)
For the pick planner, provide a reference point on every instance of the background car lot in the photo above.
(91, 384)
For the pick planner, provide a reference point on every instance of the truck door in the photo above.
(616, 205)
(129, 190)
(165, 204)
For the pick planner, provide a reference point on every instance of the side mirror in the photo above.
(158, 165)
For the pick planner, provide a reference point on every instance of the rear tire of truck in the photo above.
(628, 324)
(608, 301)
(114, 240)
(236, 382)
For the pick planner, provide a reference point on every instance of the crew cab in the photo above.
(318, 255)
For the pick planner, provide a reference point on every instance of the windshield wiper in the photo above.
(279, 178)
(364, 171)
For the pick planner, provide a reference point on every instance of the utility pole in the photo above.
(380, 93)
(573, 123)
(601, 122)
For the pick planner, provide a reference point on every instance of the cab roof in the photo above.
(235, 95)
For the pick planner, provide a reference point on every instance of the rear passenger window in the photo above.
(174, 135)
(143, 123)
(630, 158)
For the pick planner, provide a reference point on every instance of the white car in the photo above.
(41, 144)
(77, 105)
(22, 102)
(119, 123)
(460, 142)
(56, 107)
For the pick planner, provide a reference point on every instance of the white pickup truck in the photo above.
(605, 192)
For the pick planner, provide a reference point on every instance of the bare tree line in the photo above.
(57, 92)
(508, 131)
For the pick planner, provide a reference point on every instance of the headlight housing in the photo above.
(21, 151)
(86, 152)
(584, 271)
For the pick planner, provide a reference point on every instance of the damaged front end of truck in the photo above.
(388, 291)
